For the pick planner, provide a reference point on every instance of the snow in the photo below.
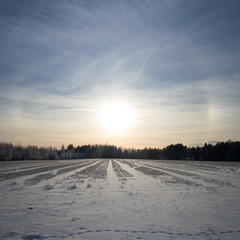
(119, 199)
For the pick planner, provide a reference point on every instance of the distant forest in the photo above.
(222, 151)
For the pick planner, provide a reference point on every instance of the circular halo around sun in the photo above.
(116, 117)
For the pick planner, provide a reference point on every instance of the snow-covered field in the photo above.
(119, 199)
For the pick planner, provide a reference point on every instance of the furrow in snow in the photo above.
(6, 176)
(121, 173)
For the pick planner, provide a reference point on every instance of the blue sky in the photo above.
(175, 63)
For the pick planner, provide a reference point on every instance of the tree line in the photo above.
(221, 151)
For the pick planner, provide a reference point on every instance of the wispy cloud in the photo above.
(176, 63)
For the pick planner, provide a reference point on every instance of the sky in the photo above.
(174, 65)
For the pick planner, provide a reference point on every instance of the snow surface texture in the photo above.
(119, 199)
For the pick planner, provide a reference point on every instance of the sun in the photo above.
(116, 117)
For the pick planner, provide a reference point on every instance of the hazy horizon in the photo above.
(213, 143)
(127, 73)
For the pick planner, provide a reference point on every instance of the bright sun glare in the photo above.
(116, 117)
